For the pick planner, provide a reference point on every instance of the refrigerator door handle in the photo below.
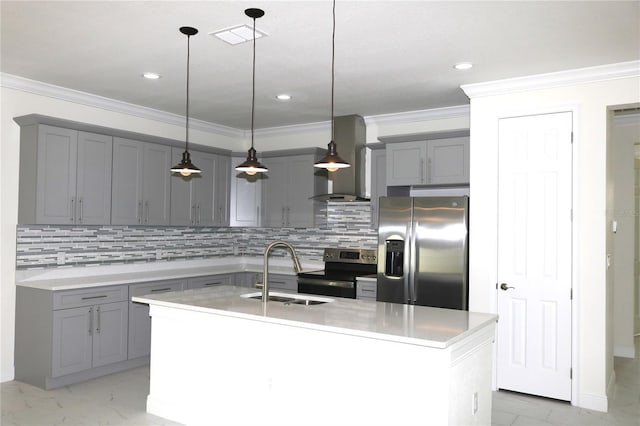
(411, 248)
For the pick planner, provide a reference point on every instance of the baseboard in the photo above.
(594, 402)
(8, 374)
(625, 351)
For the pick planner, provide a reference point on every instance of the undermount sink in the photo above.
(288, 298)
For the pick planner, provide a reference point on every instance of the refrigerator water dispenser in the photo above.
(394, 258)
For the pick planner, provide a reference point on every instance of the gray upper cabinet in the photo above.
(246, 197)
(378, 181)
(287, 189)
(431, 162)
(65, 176)
(201, 199)
(141, 183)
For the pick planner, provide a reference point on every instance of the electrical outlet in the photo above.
(474, 403)
(158, 254)
(61, 259)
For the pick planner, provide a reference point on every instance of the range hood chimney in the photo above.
(350, 136)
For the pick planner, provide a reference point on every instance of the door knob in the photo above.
(505, 287)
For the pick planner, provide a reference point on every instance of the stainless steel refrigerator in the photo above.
(423, 251)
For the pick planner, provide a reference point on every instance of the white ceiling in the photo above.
(391, 56)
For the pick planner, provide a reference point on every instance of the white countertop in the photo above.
(418, 325)
(93, 276)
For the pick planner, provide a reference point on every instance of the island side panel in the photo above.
(217, 369)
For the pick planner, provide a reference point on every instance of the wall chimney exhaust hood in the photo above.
(350, 135)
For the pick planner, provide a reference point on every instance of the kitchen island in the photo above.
(220, 358)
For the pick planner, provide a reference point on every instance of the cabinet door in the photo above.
(110, 333)
(246, 198)
(448, 161)
(72, 340)
(156, 190)
(183, 204)
(378, 182)
(56, 175)
(222, 191)
(406, 163)
(274, 193)
(300, 187)
(93, 203)
(126, 184)
(139, 342)
(204, 189)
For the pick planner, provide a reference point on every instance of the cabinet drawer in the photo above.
(89, 296)
(210, 281)
(366, 290)
(155, 287)
(283, 282)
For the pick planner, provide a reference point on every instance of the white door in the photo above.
(534, 255)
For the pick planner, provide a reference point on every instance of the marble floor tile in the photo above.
(120, 399)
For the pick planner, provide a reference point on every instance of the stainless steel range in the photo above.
(341, 268)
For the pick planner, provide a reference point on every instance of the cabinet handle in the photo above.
(73, 209)
(155, 290)
(81, 210)
(429, 172)
(422, 170)
(367, 290)
(282, 221)
(288, 216)
(193, 214)
(102, 296)
(90, 321)
(258, 220)
(139, 212)
(146, 217)
(98, 314)
(216, 283)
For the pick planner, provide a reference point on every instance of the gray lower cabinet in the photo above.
(67, 336)
(246, 279)
(89, 337)
(139, 321)
(283, 282)
(366, 289)
(211, 280)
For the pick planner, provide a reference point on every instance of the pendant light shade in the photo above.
(332, 160)
(186, 167)
(251, 165)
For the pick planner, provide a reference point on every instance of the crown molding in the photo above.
(420, 115)
(321, 126)
(552, 80)
(15, 82)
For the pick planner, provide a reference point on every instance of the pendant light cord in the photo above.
(333, 61)
(186, 144)
(253, 81)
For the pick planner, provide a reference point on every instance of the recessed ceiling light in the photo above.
(283, 97)
(238, 34)
(463, 66)
(151, 75)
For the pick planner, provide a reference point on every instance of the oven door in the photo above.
(327, 287)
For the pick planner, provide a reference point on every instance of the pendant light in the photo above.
(332, 160)
(186, 167)
(251, 165)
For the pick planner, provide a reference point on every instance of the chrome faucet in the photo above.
(265, 278)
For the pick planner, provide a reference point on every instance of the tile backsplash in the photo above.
(47, 246)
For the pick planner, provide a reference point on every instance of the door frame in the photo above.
(575, 246)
